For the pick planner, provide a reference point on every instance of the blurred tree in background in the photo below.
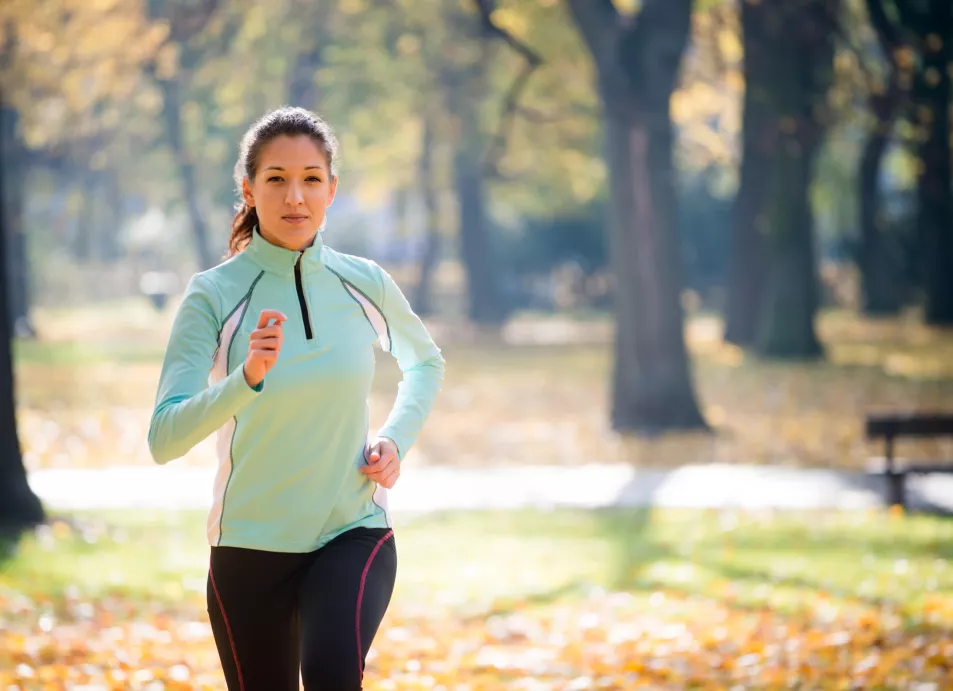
(761, 160)
(19, 507)
(637, 63)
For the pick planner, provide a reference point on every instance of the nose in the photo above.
(294, 197)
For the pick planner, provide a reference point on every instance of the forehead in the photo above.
(292, 152)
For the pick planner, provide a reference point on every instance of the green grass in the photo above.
(491, 560)
(78, 353)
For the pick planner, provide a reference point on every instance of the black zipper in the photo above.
(305, 316)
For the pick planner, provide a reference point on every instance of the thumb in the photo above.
(374, 455)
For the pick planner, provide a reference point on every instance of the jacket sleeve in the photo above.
(187, 409)
(419, 360)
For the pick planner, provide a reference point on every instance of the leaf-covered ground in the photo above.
(87, 389)
(525, 600)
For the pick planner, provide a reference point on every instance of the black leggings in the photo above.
(274, 614)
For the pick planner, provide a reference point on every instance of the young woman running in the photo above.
(273, 349)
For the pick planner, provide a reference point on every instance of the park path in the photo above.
(429, 489)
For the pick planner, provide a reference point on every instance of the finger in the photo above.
(270, 341)
(388, 454)
(270, 346)
(375, 453)
(268, 315)
(268, 332)
(376, 470)
(390, 477)
(383, 461)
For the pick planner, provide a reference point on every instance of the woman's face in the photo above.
(291, 192)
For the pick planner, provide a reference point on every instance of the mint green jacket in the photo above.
(290, 449)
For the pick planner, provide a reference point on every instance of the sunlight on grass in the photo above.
(475, 557)
(486, 600)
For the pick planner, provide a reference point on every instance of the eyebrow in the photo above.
(306, 168)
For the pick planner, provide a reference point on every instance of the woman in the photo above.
(273, 349)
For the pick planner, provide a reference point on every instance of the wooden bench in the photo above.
(893, 427)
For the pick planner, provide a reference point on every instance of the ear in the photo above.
(334, 189)
(247, 193)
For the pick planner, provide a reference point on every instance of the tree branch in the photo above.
(599, 23)
(887, 33)
(511, 100)
(486, 7)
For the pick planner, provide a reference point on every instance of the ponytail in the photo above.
(243, 225)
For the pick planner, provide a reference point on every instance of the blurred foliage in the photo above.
(73, 69)
(84, 78)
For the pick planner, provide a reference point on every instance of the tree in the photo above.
(423, 291)
(637, 62)
(799, 74)
(931, 29)
(477, 153)
(17, 267)
(316, 23)
(437, 84)
(747, 245)
(20, 508)
(170, 69)
(71, 72)
(880, 294)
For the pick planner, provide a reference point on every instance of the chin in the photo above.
(299, 229)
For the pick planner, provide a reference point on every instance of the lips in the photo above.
(295, 218)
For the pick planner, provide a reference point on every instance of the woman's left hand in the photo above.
(383, 465)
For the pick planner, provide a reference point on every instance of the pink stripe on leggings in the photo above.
(228, 628)
(360, 596)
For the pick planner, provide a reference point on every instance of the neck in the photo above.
(293, 246)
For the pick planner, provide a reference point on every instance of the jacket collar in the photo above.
(280, 259)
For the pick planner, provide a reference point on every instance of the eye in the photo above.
(275, 178)
(313, 179)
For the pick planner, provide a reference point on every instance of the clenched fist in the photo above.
(264, 345)
(383, 462)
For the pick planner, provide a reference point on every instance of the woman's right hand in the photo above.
(264, 345)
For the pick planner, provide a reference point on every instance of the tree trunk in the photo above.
(82, 244)
(637, 65)
(652, 387)
(879, 277)
(185, 21)
(303, 90)
(800, 72)
(172, 114)
(108, 246)
(791, 298)
(935, 185)
(748, 253)
(17, 266)
(319, 20)
(485, 304)
(20, 508)
(423, 292)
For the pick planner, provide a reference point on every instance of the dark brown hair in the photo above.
(286, 121)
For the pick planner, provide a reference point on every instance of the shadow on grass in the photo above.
(538, 599)
(637, 546)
